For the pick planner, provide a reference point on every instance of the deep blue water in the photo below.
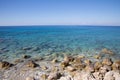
(49, 40)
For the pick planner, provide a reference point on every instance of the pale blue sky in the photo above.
(59, 12)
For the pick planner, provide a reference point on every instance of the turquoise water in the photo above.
(56, 40)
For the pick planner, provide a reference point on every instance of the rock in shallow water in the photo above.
(106, 51)
(31, 64)
(5, 65)
(27, 48)
(107, 61)
(26, 56)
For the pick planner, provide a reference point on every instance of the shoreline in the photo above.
(77, 67)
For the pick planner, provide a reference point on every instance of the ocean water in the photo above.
(57, 40)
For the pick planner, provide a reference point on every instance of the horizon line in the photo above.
(55, 25)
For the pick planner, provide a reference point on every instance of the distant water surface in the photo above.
(49, 40)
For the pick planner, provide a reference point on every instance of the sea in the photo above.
(57, 40)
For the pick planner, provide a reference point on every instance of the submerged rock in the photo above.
(26, 56)
(35, 49)
(18, 61)
(27, 48)
(54, 60)
(5, 65)
(97, 56)
(64, 64)
(107, 61)
(68, 59)
(81, 56)
(106, 51)
(77, 60)
(31, 64)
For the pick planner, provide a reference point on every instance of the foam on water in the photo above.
(46, 40)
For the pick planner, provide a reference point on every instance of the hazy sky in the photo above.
(59, 12)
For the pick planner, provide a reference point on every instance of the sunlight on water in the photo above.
(50, 40)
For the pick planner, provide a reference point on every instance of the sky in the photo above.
(59, 12)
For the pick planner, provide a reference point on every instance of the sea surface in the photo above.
(16, 41)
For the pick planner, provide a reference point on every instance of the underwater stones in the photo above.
(26, 48)
(68, 59)
(77, 60)
(1, 51)
(29, 78)
(106, 51)
(81, 56)
(107, 61)
(64, 64)
(54, 60)
(97, 66)
(18, 61)
(5, 65)
(26, 56)
(116, 65)
(54, 76)
(31, 64)
(35, 49)
(38, 58)
(97, 56)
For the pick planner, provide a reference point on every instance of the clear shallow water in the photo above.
(50, 40)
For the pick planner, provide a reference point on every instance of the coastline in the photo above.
(77, 67)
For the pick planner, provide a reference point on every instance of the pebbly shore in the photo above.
(77, 67)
